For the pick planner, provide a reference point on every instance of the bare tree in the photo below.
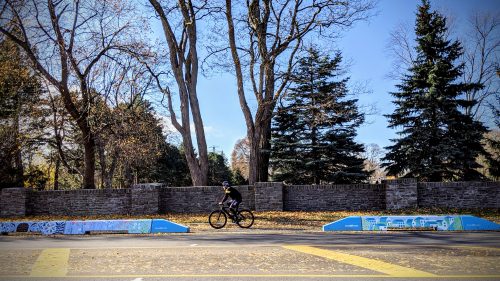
(179, 23)
(56, 141)
(373, 153)
(401, 48)
(481, 58)
(240, 157)
(123, 83)
(265, 37)
(65, 40)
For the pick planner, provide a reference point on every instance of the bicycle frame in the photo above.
(225, 209)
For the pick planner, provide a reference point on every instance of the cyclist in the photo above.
(235, 196)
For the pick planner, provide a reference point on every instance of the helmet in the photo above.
(225, 183)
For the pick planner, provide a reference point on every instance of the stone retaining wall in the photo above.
(82, 202)
(334, 197)
(146, 199)
(463, 195)
(401, 194)
(268, 196)
(200, 198)
(13, 202)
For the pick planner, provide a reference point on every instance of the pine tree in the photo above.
(286, 162)
(314, 128)
(437, 141)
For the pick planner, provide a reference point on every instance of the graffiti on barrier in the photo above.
(43, 227)
(84, 227)
(445, 223)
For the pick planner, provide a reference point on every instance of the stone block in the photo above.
(13, 202)
(268, 196)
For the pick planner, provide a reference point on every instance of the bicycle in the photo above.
(218, 218)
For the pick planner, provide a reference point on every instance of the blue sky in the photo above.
(365, 46)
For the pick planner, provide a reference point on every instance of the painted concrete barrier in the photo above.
(352, 223)
(440, 223)
(128, 226)
(84, 227)
(165, 226)
(475, 223)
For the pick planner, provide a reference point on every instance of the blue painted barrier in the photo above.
(441, 223)
(43, 227)
(128, 226)
(83, 227)
(160, 226)
(345, 224)
(475, 223)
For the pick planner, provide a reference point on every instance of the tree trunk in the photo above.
(89, 159)
(19, 177)
(56, 173)
(102, 160)
(260, 146)
(108, 181)
(128, 176)
(199, 175)
(253, 163)
(107, 173)
(184, 64)
(265, 149)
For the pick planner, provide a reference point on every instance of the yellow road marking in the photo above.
(372, 264)
(51, 263)
(54, 263)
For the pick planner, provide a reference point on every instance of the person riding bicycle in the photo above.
(235, 195)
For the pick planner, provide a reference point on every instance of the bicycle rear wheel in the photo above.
(217, 219)
(245, 218)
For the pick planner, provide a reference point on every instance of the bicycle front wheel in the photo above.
(245, 218)
(217, 219)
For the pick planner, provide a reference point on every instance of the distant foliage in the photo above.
(314, 128)
(218, 169)
(21, 118)
(240, 157)
(170, 168)
(238, 178)
(437, 141)
(493, 143)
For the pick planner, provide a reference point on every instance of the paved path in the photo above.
(254, 255)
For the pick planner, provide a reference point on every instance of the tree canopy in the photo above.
(437, 141)
(315, 125)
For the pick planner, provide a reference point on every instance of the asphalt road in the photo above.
(254, 255)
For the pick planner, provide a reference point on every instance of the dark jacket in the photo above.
(232, 193)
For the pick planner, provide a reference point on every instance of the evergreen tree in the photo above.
(286, 162)
(218, 170)
(238, 178)
(171, 167)
(438, 142)
(314, 128)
